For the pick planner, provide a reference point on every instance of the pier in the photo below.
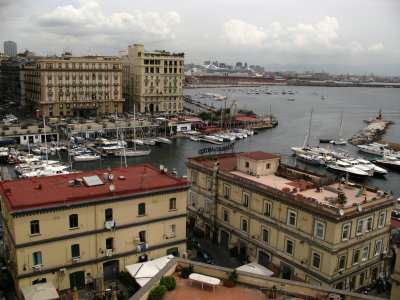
(371, 133)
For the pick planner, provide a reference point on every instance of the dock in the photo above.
(5, 174)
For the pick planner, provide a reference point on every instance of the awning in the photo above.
(41, 291)
(144, 272)
(256, 269)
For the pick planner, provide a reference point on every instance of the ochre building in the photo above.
(74, 86)
(153, 80)
(80, 229)
(301, 225)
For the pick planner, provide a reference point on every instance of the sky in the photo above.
(259, 32)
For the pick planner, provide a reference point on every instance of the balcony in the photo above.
(142, 247)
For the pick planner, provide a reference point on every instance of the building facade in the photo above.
(302, 225)
(75, 86)
(12, 84)
(10, 48)
(153, 81)
(79, 229)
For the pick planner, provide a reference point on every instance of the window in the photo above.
(365, 253)
(227, 191)
(142, 209)
(244, 225)
(35, 227)
(356, 257)
(289, 247)
(291, 218)
(382, 219)
(172, 203)
(75, 250)
(172, 231)
(360, 226)
(319, 230)
(73, 221)
(378, 247)
(209, 184)
(346, 232)
(109, 214)
(226, 215)
(208, 207)
(109, 243)
(247, 164)
(37, 258)
(362, 275)
(142, 236)
(267, 209)
(245, 200)
(268, 166)
(370, 223)
(342, 262)
(316, 260)
(193, 199)
(194, 178)
(265, 235)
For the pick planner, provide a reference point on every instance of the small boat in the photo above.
(86, 157)
(138, 142)
(213, 138)
(150, 142)
(291, 99)
(390, 162)
(339, 140)
(164, 140)
(194, 139)
(132, 152)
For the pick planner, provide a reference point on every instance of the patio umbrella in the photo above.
(42, 291)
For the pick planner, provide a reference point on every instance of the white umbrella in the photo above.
(41, 291)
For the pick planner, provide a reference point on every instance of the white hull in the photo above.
(165, 140)
(130, 153)
(86, 157)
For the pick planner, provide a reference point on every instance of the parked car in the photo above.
(204, 256)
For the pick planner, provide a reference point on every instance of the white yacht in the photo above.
(363, 167)
(344, 167)
(164, 140)
(213, 138)
(87, 157)
(132, 152)
(390, 162)
(374, 148)
(377, 170)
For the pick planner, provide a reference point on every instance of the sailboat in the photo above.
(305, 147)
(164, 139)
(339, 140)
(323, 94)
(132, 152)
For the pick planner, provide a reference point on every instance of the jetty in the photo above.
(371, 133)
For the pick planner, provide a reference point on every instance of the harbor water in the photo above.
(357, 104)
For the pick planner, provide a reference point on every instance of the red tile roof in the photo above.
(394, 223)
(258, 155)
(48, 191)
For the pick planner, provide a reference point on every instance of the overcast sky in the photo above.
(259, 32)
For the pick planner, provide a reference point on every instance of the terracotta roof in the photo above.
(394, 223)
(48, 191)
(258, 155)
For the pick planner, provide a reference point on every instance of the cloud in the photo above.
(88, 20)
(377, 48)
(322, 38)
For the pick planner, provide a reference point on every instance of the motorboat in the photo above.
(374, 148)
(213, 138)
(149, 141)
(138, 141)
(311, 158)
(390, 162)
(343, 167)
(378, 171)
(363, 167)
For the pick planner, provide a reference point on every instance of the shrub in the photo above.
(104, 125)
(39, 130)
(40, 125)
(158, 292)
(169, 282)
(186, 271)
(89, 126)
(233, 276)
(24, 126)
(5, 127)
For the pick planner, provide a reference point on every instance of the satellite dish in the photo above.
(359, 207)
(111, 176)
(165, 170)
(341, 212)
(161, 167)
(112, 187)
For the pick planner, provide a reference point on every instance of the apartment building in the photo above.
(75, 86)
(154, 80)
(74, 229)
(302, 225)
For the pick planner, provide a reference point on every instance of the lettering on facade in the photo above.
(216, 149)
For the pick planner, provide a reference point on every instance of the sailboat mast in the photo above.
(134, 127)
(45, 139)
(309, 129)
(340, 126)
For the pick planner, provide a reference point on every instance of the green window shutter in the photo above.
(142, 209)
(75, 250)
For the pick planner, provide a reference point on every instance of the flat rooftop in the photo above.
(59, 190)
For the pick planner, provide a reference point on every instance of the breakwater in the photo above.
(373, 132)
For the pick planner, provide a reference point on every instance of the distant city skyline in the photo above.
(354, 35)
